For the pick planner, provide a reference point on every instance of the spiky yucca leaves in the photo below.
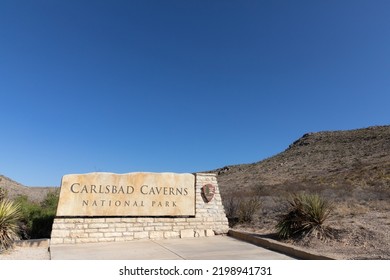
(306, 215)
(10, 214)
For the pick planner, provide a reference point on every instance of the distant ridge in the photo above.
(358, 158)
(14, 189)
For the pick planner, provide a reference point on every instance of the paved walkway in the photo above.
(208, 248)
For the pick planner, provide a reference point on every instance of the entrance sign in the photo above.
(131, 194)
(108, 207)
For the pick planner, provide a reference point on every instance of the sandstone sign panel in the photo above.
(131, 194)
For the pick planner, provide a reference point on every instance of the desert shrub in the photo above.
(305, 216)
(231, 204)
(240, 209)
(49, 204)
(247, 209)
(9, 218)
(29, 211)
(3, 193)
(37, 218)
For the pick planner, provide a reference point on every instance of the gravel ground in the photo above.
(26, 253)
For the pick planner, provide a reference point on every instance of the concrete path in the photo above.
(208, 248)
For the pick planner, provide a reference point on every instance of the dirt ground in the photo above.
(362, 231)
(26, 253)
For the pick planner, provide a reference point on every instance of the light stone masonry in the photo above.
(187, 233)
(209, 220)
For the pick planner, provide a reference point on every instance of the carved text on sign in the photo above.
(131, 194)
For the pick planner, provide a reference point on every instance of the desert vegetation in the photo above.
(37, 218)
(21, 218)
(10, 214)
(305, 216)
(296, 217)
(240, 209)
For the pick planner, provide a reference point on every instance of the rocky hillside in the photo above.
(330, 159)
(351, 169)
(14, 189)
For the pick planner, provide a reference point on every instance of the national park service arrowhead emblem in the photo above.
(208, 192)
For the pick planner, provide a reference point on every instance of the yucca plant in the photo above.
(10, 214)
(306, 215)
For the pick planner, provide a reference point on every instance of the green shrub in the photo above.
(37, 218)
(29, 211)
(306, 216)
(9, 217)
(49, 204)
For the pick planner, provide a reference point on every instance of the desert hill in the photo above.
(331, 159)
(351, 169)
(14, 189)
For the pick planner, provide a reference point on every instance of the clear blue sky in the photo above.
(182, 86)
